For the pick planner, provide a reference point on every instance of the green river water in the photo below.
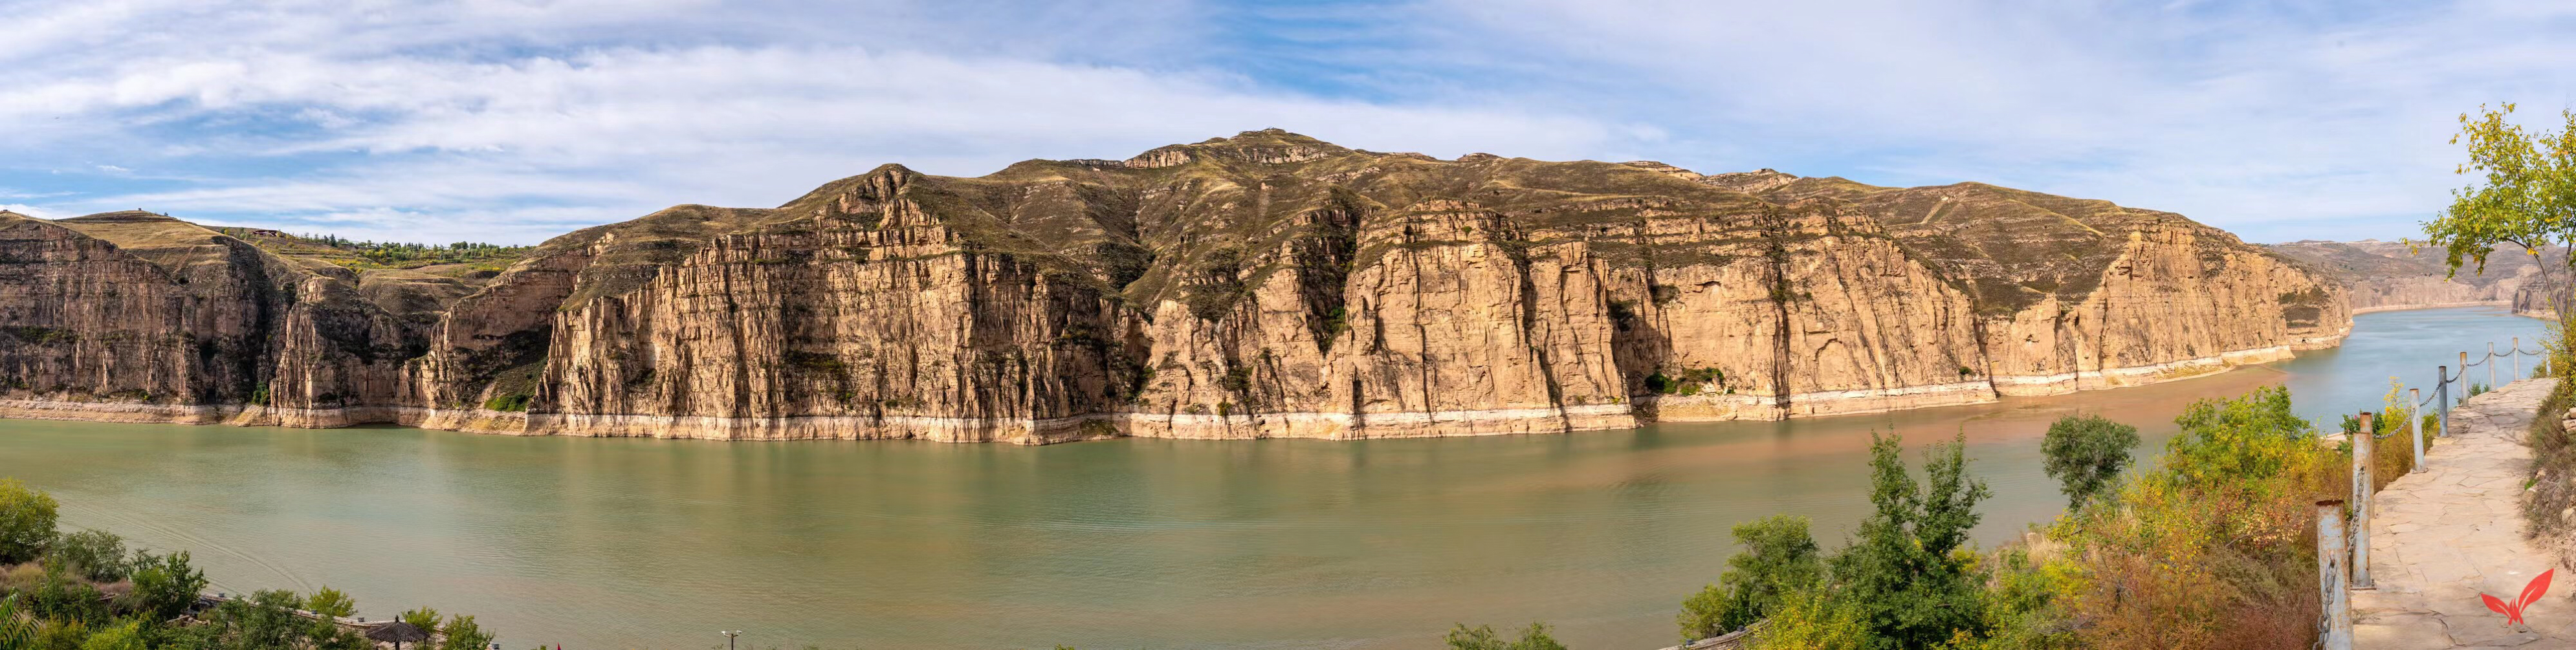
(617, 543)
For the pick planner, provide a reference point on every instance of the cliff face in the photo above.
(2390, 275)
(1257, 286)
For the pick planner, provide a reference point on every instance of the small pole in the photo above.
(2464, 376)
(2363, 458)
(2517, 357)
(2442, 398)
(2335, 629)
(2415, 427)
(2490, 365)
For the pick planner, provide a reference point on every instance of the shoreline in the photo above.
(1528, 419)
(2438, 305)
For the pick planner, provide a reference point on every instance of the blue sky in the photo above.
(516, 120)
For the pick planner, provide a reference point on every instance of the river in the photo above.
(617, 543)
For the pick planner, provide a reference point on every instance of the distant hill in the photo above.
(2391, 275)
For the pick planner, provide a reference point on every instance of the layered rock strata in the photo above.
(1265, 285)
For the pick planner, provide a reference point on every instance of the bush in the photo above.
(124, 636)
(164, 586)
(463, 634)
(2217, 549)
(96, 555)
(1810, 620)
(1482, 637)
(424, 618)
(26, 522)
(2249, 439)
(2086, 453)
(62, 599)
(330, 602)
(1779, 559)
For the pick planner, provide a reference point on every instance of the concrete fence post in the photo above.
(2464, 375)
(2491, 383)
(2334, 630)
(2517, 357)
(2364, 458)
(2442, 399)
(2415, 427)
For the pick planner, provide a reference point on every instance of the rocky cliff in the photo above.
(1263, 285)
(2392, 275)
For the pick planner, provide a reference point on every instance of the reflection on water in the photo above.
(1118, 544)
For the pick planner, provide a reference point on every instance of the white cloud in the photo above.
(2264, 118)
(481, 116)
(452, 137)
(31, 211)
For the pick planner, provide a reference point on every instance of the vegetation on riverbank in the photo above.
(84, 590)
(2213, 548)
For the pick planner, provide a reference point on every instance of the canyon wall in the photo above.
(1265, 285)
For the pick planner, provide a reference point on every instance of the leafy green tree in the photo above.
(2244, 439)
(463, 634)
(2085, 453)
(124, 636)
(424, 618)
(1909, 575)
(164, 586)
(1483, 637)
(266, 620)
(330, 602)
(93, 554)
(26, 521)
(2524, 196)
(1779, 558)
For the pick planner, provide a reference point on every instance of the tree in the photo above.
(2243, 440)
(330, 602)
(2525, 198)
(94, 554)
(1482, 637)
(2085, 453)
(424, 618)
(1779, 558)
(26, 521)
(463, 634)
(164, 586)
(1908, 576)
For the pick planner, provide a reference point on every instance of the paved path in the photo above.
(2440, 537)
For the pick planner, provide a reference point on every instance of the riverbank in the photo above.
(1538, 419)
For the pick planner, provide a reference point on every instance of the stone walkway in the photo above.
(2440, 537)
